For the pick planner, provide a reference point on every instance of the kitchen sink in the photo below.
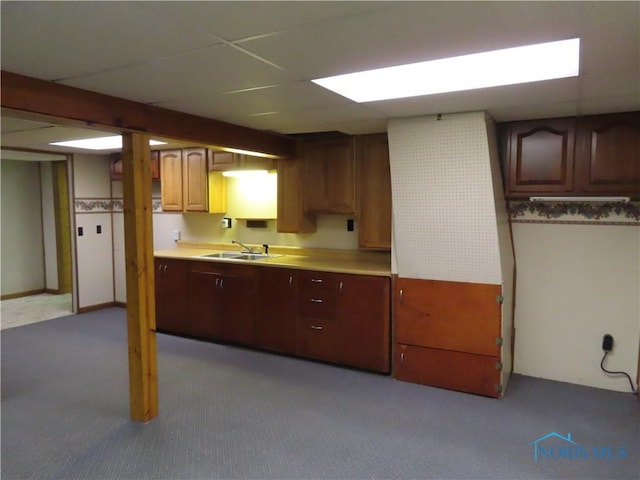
(240, 255)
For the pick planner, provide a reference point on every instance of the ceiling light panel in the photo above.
(510, 66)
(99, 143)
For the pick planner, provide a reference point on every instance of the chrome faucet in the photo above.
(248, 249)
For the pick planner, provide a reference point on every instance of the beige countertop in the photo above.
(327, 260)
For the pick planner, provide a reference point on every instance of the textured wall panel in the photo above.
(443, 200)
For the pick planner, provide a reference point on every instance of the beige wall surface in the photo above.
(576, 283)
(21, 228)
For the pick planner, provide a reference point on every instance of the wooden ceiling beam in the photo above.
(40, 98)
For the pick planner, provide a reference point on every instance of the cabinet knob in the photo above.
(316, 300)
(316, 327)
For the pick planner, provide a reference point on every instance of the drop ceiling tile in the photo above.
(238, 20)
(308, 120)
(415, 31)
(534, 110)
(10, 124)
(202, 73)
(54, 40)
(290, 96)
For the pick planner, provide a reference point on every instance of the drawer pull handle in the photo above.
(401, 295)
(217, 282)
(316, 327)
(340, 287)
(402, 358)
(316, 300)
(165, 268)
(221, 282)
(316, 280)
(290, 280)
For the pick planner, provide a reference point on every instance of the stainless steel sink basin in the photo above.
(222, 255)
(240, 255)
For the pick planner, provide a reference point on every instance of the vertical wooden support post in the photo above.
(141, 314)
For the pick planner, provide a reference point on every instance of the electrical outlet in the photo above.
(175, 234)
(225, 222)
(607, 343)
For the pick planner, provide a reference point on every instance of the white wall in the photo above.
(21, 228)
(576, 283)
(92, 190)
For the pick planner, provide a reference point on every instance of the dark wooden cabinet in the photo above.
(222, 302)
(291, 215)
(609, 153)
(448, 334)
(344, 319)
(222, 161)
(588, 156)
(374, 191)
(116, 166)
(276, 317)
(541, 155)
(330, 176)
(333, 317)
(172, 295)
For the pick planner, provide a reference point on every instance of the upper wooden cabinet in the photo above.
(593, 155)
(541, 156)
(329, 175)
(186, 184)
(116, 166)
(374, 190)
(609, 152)
(171, 184)
(195, 180)
(221, 161)
(291, 216)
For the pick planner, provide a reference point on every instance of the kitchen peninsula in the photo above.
(328, 305)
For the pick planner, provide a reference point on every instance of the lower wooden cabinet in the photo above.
(461, 371)
(334, 317)
(448, 334)
(172, 295)
(345, 319)
(222, 302)
(276, 318)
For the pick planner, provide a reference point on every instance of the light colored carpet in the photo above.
(33, 308)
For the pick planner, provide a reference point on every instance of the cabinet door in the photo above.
(330, 176)
(251, 162)
(541, 156)
(363, 314)
(171, 183)
(291, 216)
(155, 165)
(459, 316)
(195, 179)
(374, 189)
(276, 318)
(608, 160)
(460, 371)
(204, 303)
(116, 166)
(237, 295)
(219, 161)
(171, 279)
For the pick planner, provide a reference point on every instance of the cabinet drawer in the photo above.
(464, 372)
(317, 305)
(317, 281)
(317, 339)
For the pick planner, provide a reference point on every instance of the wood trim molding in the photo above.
(34, 98)
(27, 293)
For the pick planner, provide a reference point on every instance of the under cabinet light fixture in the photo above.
(244, 173)
(99, 143)
(580, 199)
(509, 66)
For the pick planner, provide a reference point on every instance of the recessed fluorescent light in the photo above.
(99, 143)
(531, 63)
